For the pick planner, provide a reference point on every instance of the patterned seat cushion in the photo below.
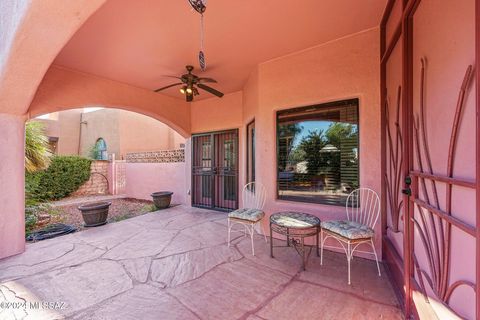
(348, 229)
(247, 214)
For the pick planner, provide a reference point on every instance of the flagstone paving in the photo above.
(175, 264)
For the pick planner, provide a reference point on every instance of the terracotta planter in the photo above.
(95, 214)
(162, 199)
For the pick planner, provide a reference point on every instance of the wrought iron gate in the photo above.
(215, 170)
(429, 152)
(118, 168)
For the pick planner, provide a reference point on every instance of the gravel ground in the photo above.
(120, 209)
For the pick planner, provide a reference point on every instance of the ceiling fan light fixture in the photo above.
(191, 84)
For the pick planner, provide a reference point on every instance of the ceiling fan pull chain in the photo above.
(201, 55)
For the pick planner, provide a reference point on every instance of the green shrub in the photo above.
(30, 219)
(37, 149)
(148, 208)
(64, 176)
(94, 152)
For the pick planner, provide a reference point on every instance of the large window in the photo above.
(318, 152)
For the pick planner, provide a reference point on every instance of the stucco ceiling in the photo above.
(136, 42)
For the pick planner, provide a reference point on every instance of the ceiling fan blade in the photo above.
(172, 85)
(167, 76)
(206, 80)
(189, 97)
(210, 89)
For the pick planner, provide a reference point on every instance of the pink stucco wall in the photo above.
(145, 178)
(33, 34)
(447, 51)
(63, 89)
(138, 133)
(23, 63)
(12, 185)
(341, 69)
(216, 114)
(221, 114)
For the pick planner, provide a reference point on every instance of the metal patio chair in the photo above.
(253, 199)
(363, 210)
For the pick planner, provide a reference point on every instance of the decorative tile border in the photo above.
(163, 156)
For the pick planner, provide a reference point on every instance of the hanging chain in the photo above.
(202, 32)
(201, 54)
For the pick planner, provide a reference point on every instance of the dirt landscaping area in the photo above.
(121, 209)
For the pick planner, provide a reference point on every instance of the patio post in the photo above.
(12, 182)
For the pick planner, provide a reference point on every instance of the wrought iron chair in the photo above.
(363, 210)
(253, 199)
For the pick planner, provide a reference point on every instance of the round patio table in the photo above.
(296, 226)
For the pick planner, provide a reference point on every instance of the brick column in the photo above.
(12, 185)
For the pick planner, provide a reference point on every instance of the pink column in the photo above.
(12, 185)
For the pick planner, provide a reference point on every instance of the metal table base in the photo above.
(296, 239)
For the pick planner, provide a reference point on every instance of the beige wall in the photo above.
(104, 124)
(65, 125)
(139, 133)
(69, 126)
(123, 131)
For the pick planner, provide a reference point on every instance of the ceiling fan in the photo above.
(190, 82)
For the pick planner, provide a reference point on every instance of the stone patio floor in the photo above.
(175, 264)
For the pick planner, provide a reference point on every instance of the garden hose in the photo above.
(51, 231)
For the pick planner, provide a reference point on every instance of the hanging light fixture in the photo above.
(200, 6)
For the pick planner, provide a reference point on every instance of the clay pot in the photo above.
(162, 199)
(95, 214)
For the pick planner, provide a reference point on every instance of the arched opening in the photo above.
(100, 150)
(100, 154)
(313, 59)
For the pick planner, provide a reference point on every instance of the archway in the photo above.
(21, 76)
(63, 89)
(131, 156)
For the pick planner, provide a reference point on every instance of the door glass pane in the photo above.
(202, 171)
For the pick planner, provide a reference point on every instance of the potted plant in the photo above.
(162, 199)
(95, 214)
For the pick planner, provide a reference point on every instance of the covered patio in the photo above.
(175, 264)
(309, 99)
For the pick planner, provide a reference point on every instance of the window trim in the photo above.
(247, 178)
(344, 102)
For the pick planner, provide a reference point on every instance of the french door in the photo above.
(215, 170)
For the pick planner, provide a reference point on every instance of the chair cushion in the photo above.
(247, 214)
(348, 229)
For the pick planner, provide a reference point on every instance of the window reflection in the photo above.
(318, 152)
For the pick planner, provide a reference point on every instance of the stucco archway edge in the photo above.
(27, 51)
(63, 89)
